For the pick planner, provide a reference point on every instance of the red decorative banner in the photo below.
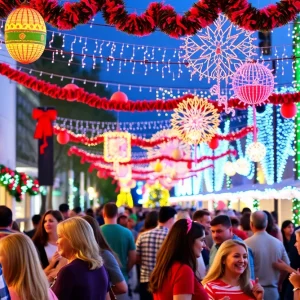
(93, 158)
(162, 16)
(93, 100)
(144, 143)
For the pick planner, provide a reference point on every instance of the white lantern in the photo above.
(229, 169)
(242, 166)
(256, 151)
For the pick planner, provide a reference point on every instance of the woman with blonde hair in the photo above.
(22, 270)
(229, 275)
(84, 277)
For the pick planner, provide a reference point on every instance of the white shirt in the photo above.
(50, 250)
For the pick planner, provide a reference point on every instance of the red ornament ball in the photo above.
(119, 97)
(214, 143)
(63, 138)
(71, 87)
(288, 110)
(189, 165)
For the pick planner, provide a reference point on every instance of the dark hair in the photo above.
(199, 214)
(271, 228)
(110, 210)
(166, 213)
(275, 216)
(177, 247)
(234, 221)
(129, 209)
(90, 212)
(245, 221)
(246, 210)
(36, 219)
(151, 220)
(77, 210)
(64, 207)
(121, 217)
(41, 237)
(221, 220)
(15, 226)
(100, 239)
(6, 216)
(284, 225)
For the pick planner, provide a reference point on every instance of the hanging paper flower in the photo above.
(196, 120)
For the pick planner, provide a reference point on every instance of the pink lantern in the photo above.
(253, 83)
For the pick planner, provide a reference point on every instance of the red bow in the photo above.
(44, 127)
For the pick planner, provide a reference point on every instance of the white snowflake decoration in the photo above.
(216, 51)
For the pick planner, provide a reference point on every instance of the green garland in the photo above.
(17, 184)
(256, 204)
(296, 211)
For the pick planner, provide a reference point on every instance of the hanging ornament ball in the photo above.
(63, 138)
(214, 143)
(288, 110)
(25, 35)
(99, 174)
(176, 154)
(229, 169)
(256, 151)
(253, 83)
(71, 87)
(242, 166)
(158, 167)
(189, 165)
(119, 97)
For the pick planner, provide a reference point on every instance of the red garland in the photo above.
(106, 172)
(145, 143)
(93, 100)
(162, 16)
(92, 158)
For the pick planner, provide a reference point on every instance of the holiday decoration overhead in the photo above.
(117, 146)
(25, 35)
(162, 16)
(93, 100)
(256, 151)
(214, 53)
(253, 83)
(44, 125)
(195, 120)
(18, 184)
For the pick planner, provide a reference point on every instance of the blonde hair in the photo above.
(22, 270)
(182, 214)
(81, 237)
(297, 232)
(216, 271)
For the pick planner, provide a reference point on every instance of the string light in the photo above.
(256, 204)
(296, 211)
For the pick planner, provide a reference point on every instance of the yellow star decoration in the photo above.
(196, 120)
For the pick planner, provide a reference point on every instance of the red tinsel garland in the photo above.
(93, 100)
(92, 158)
(107, 172)
(145, 143)
(162, 16)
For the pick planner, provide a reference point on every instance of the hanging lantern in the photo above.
(242, 166)
(25, 35)
(288, 110)
(63, 138)
(158, 167)
(256, 151)
(119, 97)
(253, 83)
(117, 146)
(71, 87)
(176, 154)
(229, 169)
(214, 143)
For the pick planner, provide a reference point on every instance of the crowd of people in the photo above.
(177, 254)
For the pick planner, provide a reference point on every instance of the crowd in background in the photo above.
(176, 254)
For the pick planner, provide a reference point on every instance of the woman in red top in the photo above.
(174, 276)
(229, 275)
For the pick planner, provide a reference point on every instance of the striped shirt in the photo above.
(218, 289)
(147, 246)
